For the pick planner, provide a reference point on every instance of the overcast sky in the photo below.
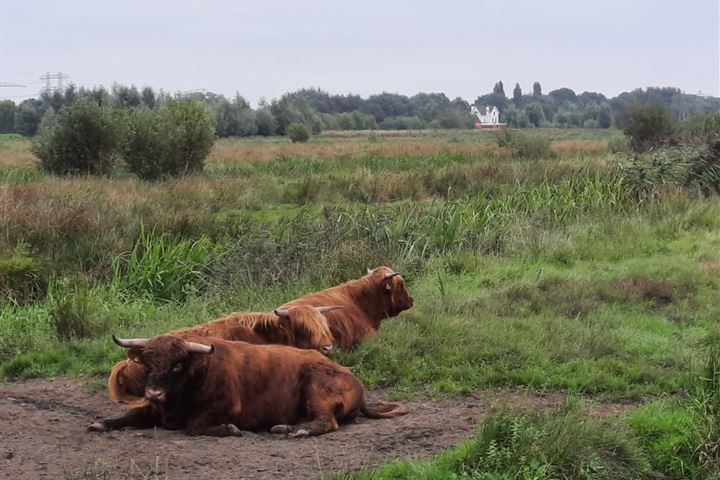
(268, 47)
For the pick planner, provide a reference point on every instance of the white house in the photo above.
(487, 115)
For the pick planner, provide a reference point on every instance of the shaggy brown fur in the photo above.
(366, 301)
(304, 328)
(233, 386)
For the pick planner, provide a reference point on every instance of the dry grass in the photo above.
(333, 145)
(232, 150)
(16, 152)
(578, 146)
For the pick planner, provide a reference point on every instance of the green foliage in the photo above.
(649, 124)
(696, 168)
(196, 133)
(560, 445)
(28, 115)
(619, 145)
(522, 145)
(21, 280)
(535, 114)
(703, 128)
(171, 141)
(7, 116)
(265, 122)
(163, 267)
(681, 434)
(80, 139)
(73, 313)
(298, 132)
(537, 90)
(150, 148)
(234, 118)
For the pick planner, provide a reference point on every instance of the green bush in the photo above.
(171, 141)
(298, 132)
(696, 168)
(522, 145)
(649, 124)
(704, 127)
(81, 139)
(20, 279)
(619, 145)
(73, 313)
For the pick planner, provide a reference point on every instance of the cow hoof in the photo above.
(281, 429)
(233, 430)
(97, 427)
(300, 433)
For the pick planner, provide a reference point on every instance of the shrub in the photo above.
(688, 167)
(73, 313)
(172, 141)
(298, 132)
(522, 145)
(20, 279)
(149, 149)
(196, 132)
(649, 124)
(619, 145)
(81, 139)
(701, 128)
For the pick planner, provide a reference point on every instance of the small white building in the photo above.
(487, 116)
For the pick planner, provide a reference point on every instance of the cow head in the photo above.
(309, 326)
(166, 360)
(392, 289)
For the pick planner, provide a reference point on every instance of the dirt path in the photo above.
(42, 435)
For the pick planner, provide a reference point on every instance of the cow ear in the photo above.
(388, 287)
(135, 354)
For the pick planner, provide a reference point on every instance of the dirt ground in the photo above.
(43, 422)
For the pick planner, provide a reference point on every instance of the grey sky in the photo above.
(459, 47)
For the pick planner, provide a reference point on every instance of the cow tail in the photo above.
(118, 384)
(382, 409)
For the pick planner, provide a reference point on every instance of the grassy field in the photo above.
(544, 273)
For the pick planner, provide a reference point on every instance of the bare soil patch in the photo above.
(43, 422)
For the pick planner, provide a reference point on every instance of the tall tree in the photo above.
(499, 89)
(517, 95)
(148, 97)
(7, 116)
(537, 90)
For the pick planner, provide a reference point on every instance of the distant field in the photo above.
(527, 273)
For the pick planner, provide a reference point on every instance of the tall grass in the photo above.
(163, 267)
(560, 445)
(418, 231)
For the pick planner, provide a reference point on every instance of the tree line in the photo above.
(319, 110)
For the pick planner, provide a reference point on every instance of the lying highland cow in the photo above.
(303, 327)
(209, 386)
(366, 301)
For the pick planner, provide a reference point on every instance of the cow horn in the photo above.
(198, 347)
(391, 275)
(370, 270)
(328, 308)
(130, 342)
(282, 313)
